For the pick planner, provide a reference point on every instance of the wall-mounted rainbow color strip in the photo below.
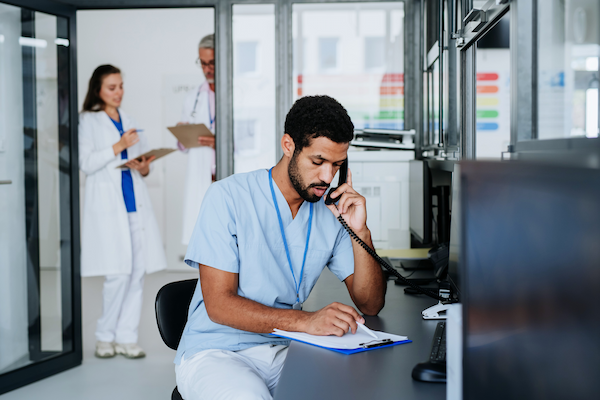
(485, 89)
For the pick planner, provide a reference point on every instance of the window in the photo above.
(374, 53)
(328, 48)
(254, 138)
(246, 57)
(244, 134)
(353, 52)
(492, 126)
(37, 259)
(568, 74)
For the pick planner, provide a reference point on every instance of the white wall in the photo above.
(156, 50)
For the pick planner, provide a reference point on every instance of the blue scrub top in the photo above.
(237, 231)
(126, 179)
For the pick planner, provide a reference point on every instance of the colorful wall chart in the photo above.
(493, 103)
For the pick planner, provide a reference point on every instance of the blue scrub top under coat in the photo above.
(126, 179)
(237, 231)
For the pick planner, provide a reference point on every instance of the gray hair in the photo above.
(207, 42)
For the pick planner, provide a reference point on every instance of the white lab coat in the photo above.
(200, 164)
(105, 236)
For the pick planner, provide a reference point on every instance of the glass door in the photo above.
(39, 317)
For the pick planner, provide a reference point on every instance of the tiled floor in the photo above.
(117, 378)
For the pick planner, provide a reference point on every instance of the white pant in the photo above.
(122, 294)
(249, 374)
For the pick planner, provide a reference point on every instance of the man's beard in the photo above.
(295, 178)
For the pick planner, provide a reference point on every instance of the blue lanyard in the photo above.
(193, 114)
(287, 251)
(212, 120)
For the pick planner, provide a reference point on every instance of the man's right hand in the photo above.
(335, 319)
(128, 139)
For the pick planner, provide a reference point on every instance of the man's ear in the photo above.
(288, 146)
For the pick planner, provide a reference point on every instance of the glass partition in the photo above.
(568, 73)
(254, 87)
(36, 261)
(493, 63)
(353, 52)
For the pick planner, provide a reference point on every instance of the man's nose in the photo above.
(326, 173)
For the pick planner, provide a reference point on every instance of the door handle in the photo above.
(5, 182)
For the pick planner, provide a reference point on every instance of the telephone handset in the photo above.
(329, 200)
(343, 176)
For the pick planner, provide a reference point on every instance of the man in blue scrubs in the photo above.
(260, 243)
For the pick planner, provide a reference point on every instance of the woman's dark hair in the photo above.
(313, 116)
(92, 101)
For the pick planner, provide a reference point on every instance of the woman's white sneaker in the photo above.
(104, 350)
(129, 350)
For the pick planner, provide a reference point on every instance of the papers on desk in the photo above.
(349, 343)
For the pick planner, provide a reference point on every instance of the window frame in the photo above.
(70, 271)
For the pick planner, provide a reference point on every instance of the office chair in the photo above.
(172, 304)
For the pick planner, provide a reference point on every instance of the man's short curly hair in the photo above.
(314, 116)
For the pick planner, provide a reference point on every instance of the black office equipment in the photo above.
(452, 275)
(449, 286)
(420, 219)
(530, 269)
(416, 281)
(434, 370)
(417, 264)
(342, 179)
(329, 200)
(372, 253)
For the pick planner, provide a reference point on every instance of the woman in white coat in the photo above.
(199, 108)
(120, 237)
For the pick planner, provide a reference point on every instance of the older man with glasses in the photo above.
(199, 108)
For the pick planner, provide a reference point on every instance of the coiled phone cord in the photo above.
(391, 269)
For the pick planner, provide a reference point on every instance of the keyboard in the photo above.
(438, 347)
(434, 370)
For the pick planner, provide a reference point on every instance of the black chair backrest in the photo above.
(172, 304)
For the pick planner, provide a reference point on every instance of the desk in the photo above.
(314, 373)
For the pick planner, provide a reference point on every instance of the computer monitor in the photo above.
(530, 264)
(420, 202)
(498, 37)
(454, 244)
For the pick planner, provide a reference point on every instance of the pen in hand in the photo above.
(367, 330)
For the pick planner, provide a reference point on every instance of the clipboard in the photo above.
(158, 153)
(349, 343)
(188, 134)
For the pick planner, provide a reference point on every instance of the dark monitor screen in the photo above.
(420, 201)
(530, 269)
(454, 245)
(498, 37)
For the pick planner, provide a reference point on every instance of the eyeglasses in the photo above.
(202, 64)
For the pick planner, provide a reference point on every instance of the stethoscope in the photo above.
(193, 113)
